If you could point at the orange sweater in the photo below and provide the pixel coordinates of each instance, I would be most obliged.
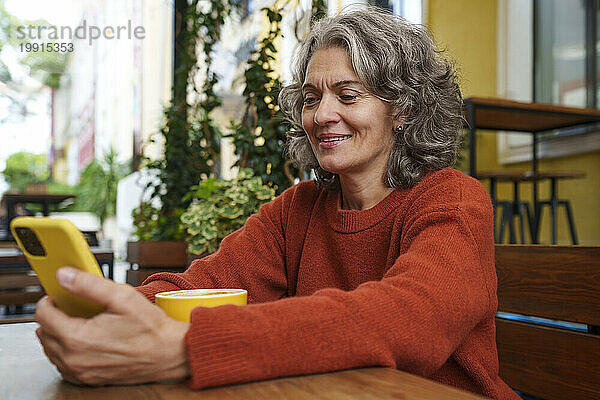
(407, 284)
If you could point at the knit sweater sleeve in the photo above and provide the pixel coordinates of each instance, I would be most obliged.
(251, 258)
(413, 319)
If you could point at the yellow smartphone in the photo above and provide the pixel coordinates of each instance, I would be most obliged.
(52, 243)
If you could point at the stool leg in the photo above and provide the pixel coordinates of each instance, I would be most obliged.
(522, 220)
(553, 208)
(497, 238)
(511, 227)
(519, 210)
(503, 220)
(529, 221)
(537, 219)
(494, 204)
(570, 220)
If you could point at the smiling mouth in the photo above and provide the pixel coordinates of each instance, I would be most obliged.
(334, 139)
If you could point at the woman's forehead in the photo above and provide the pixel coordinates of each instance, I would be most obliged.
(332, 64)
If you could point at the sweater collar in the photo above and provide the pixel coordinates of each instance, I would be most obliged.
(351, 221)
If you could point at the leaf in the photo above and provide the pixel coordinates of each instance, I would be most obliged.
(245, 173)
(265, 194)
(238, 197)
(209, 231)
(197, 248)
(231, 212)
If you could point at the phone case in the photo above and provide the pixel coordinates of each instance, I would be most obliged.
(63, 245)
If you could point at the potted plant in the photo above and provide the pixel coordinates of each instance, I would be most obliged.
(150, 252)
(192, 143)
(220, 207)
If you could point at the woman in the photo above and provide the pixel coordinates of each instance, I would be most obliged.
(385, 260)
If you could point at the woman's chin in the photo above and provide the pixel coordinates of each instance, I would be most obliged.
(334, 169)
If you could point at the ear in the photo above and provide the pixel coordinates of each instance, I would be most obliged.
(397, 117)
(397, 120)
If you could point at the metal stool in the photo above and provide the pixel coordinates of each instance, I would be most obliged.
(510, 209)
(553, 202)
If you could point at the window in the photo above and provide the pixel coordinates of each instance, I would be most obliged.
(409, 9)
(565, 38)
(547, 53)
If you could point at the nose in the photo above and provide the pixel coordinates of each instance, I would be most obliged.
(326, 111)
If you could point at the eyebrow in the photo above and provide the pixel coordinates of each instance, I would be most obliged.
(335, 85)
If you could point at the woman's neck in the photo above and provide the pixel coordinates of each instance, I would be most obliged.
(362, 194)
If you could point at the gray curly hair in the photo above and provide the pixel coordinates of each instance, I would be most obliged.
(397, 62)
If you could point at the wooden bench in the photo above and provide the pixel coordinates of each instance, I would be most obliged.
(19, 287)
(550, 361)
(18, 283)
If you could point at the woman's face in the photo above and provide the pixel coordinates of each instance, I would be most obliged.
(350, 130)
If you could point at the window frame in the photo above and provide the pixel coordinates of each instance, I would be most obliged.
(516, 50)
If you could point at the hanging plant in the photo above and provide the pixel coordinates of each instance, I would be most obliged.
(260, 137)
(318, 10)
(191, 138)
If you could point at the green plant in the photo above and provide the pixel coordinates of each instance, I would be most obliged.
(318, 10)
(23, 168)
(191, 139)
(220, 207)
(145, 220)
(149, 223)
(56, 187)
(259, 140)
(97, 188)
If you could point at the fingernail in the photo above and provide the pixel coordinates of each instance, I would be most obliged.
(65, 275)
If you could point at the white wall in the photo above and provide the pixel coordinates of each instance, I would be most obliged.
(156, 71)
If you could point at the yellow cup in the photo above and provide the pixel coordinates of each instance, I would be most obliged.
(179, 304)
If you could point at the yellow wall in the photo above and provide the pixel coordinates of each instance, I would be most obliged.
(467, 30)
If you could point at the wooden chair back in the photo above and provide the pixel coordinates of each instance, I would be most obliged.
(19, 287)
(557, 283)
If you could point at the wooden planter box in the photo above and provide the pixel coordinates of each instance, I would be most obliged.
(168, 254)
(36, 188)
(154, 257)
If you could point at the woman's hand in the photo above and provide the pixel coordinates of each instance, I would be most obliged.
(132, 341)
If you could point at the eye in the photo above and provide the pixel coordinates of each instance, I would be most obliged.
(310, 100)
(348, 98)
(348, 95)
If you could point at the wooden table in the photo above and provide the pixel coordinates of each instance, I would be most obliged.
(515, 116)
(46, 200)
(25, 374)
